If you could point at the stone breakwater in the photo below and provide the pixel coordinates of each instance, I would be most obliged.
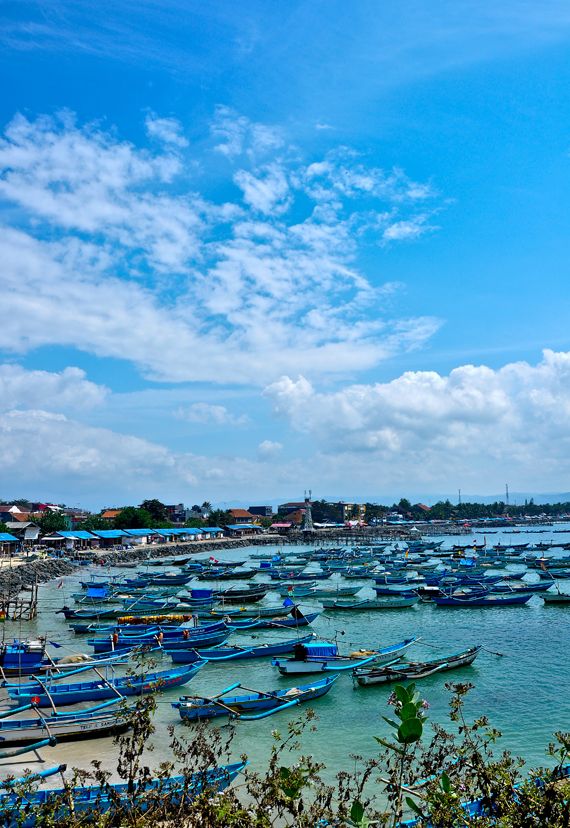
(14, 579)
(167, 550)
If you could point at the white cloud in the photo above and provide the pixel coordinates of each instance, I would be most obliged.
(239, 135)
(269, 449)
(32, 389)
(85, 180)
(57, 457)
(111, 254)
(474, 425)
(208, 414)
(167, 130)
(267, 192)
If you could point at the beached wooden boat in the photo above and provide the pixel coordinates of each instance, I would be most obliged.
(48, 694)
(102, 720)
(255, 705)
(369, 604)
(110, 798)
(412, 671)
(323, 656)
(190, 656)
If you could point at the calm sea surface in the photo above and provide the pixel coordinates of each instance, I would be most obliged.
(525, 692)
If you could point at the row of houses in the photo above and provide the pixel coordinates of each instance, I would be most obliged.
(80, 539)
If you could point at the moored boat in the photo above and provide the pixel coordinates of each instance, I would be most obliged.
(369, 604)
(51, 693)
(255, 705)
(323, 656)
(108, 798)
(405, 671)
(191, 655)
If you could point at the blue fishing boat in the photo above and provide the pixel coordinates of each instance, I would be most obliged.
(301, 620)
(110, 798)
(481, 600)
(255, 705)
(53, 693)
(323, 656)
(173, 638)
(102, 720)
(23, 658)
(191, 655)
(299, 576)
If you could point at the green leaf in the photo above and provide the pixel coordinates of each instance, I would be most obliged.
(413, 806)
(410, 731)
(357, 811)
(392, 723)
(445, 783)
(401, 694)
(408, 711)
(284, 773)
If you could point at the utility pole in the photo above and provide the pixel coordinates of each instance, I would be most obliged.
(459, 499)
(507, 495)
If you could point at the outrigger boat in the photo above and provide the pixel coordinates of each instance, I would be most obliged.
(51, 694)
(404, 671)
(23, 658)
(94, 722)
(323, 656)
(187, 635)
(109, 798)
(193, 708)
(300, 620)
(368, 604)
(190, 655)
(481, 600)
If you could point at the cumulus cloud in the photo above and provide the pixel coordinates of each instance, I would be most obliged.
(208, 414)
(20, 388)
(167, 130)
(269, 449)
(48, 452)
(476, 422)
(112, 253)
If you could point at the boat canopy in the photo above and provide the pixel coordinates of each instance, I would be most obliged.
(321, 649)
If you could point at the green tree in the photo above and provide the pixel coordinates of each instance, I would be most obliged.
(132, 518)
(3, 527)
(93, 522)
(206, 506)
(219, 517)
(156, 509)
(53, 522)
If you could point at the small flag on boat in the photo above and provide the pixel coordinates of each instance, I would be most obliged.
(59, 586)
(290, 588)
(214, 560)
(288, 603)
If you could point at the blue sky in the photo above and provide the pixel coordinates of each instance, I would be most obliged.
(248, 250)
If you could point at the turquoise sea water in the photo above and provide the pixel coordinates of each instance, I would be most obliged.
(524, 692)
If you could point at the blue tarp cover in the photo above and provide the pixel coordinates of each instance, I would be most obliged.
(322, 649)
